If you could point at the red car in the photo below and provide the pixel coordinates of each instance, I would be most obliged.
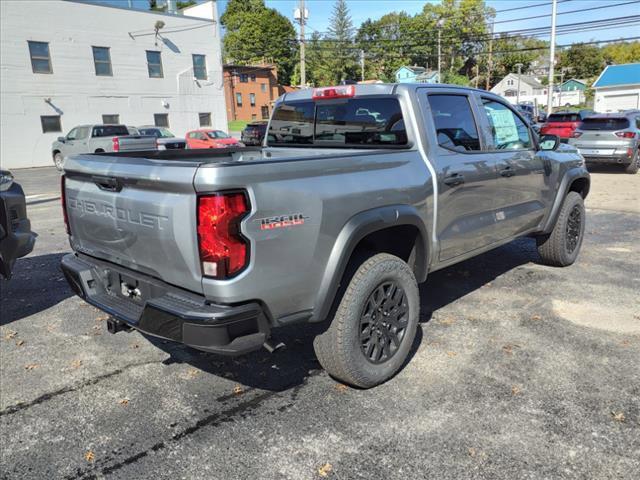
(563, 124)
(208, 138)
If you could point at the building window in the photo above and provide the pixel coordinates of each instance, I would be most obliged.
(244, 78)
(263, 87)
(199, 66)
(161, 119)
(205, 119)
(509, 82)
(239, 99)
(102, 61)
(154, 64)
(40, 58)
(111, 119)
(50, 123)
(253, 77)
(254, 116)
(265, 112)
(252, 99)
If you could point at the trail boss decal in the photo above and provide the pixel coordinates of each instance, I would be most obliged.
(281, 221)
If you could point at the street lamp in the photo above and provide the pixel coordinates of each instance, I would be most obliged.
(439, 25)
(519, 66)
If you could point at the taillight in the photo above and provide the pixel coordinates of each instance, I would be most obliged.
(223, 249)
(576, 134)
(626, 134)
(63, 198)
(116, 144)
(342, 91)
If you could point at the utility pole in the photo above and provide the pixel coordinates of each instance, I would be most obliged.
(552, 56)
(439, 25)
(301, 14)
(490, 62)
(519, 65)
(362, 65)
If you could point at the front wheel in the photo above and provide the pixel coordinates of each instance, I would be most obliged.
(374, 326)
(560, 248)
(58, 161)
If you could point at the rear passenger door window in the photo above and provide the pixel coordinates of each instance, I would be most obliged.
(508, 131)
(454, 122)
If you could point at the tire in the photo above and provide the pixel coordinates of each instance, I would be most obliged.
(634, 166)
(560, 248)
(58, 161)
(386, 282)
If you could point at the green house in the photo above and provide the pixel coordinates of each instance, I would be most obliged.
(574, 84)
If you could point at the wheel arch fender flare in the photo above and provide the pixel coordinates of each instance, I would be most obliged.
(356, 229)
(568, 179)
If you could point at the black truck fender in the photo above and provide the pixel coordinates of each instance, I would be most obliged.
(575, 179)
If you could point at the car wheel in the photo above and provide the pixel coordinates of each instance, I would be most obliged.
(560, 248)
(58, 161)
(634, 166)
(375, 324)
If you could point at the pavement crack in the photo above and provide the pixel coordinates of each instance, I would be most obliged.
(71, 388)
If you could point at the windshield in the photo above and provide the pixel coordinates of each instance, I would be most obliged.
(564, 117)
(217, 134)
(614, 123)
(372, 121)
(157, 132)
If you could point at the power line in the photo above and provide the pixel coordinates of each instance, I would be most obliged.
(529, 6)
(580, 10)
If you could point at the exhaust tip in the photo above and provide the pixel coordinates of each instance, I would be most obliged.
(273, 347)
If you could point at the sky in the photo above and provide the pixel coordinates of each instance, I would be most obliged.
(361, 10)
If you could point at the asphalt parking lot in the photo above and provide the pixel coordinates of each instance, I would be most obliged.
(519, 371)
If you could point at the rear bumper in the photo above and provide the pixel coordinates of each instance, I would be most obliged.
(16, 237)
(621, 158)
(165, 311)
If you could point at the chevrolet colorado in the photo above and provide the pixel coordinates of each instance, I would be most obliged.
(358, 192)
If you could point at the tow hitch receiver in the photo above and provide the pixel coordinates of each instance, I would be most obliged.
(115, 326)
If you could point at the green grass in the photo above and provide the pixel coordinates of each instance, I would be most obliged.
(237, 125)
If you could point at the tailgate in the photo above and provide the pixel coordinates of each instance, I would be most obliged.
(137, 143)
(137, 213)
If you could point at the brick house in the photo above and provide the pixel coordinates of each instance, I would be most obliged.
(250, 91)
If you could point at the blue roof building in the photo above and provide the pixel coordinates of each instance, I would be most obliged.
(415, 74)
(618, 88)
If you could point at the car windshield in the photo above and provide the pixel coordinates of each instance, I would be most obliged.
(613, 123)
(372, 121)
(157, 132)
(217, 134)
(564, 117)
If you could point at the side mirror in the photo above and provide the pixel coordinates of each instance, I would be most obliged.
(549, 142)
(62, 139)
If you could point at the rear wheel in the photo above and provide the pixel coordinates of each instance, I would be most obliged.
(634, 166)
(560, 248)
(374, 326)
(58, 161)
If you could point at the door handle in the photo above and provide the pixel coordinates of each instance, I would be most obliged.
(507, 172)
(109, 184)
(454, 180)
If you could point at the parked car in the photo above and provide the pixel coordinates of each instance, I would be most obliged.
(253, 133)
(563, 124)
(374, 187)
(165, 140)
(208, 138)
(16, 237)
(610, 138)
(97, 139)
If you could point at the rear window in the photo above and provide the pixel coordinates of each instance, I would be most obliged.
(564, 117)
(604, 124)
(110, 131)
(350, 122)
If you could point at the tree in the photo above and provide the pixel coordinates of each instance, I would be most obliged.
(621, 52)
(582, 61)
(340, 46)
(153, 5)
(255, 33)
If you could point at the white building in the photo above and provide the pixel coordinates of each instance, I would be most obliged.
(66, 62)
(618, 88)
(534, 92)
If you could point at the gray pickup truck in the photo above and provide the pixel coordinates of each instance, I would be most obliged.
(97, 139)
(358, 193)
